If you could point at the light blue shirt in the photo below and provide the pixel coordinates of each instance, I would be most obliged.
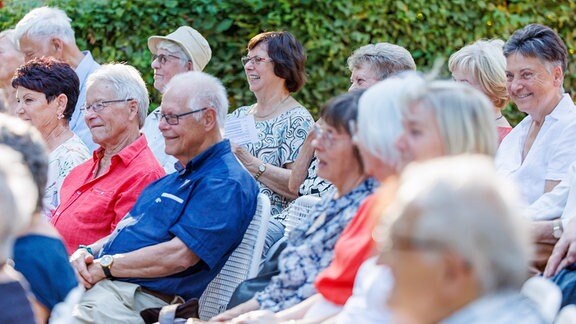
(156, 142)
(77, 123)
(499, 308)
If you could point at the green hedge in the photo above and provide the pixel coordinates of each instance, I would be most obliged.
(117, 30)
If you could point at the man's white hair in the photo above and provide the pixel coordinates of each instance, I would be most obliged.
(46, 21)
(204, 90)
(461, 204)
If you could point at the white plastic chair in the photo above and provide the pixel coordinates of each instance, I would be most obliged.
(567, 315)
(545, 294)
(242, 264)
(299, 211)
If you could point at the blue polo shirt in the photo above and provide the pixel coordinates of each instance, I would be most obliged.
(208, 205)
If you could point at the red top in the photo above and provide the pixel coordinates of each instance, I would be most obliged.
(90, 208)
(502, 132)
(353, 247)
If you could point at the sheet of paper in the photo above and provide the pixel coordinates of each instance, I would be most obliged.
(241, 130)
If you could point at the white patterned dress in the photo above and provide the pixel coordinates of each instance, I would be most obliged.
(279, 142)
(61, 161)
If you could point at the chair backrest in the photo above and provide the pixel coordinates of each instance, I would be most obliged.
(298, 211)
(545, 294)
(242, 264)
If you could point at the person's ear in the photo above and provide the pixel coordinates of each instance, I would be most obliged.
(189, 65)
(133, 108)
(58, 47)
(61, 101)
(558, 75)
(209, 119)
(458, 273)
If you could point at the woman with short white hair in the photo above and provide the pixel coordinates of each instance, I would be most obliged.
(439, 118)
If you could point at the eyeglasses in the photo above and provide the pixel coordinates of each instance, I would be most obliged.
(163, 58)
(327, 137)
(256, 60)
(402, 243)
(99, 105)
(172, 119)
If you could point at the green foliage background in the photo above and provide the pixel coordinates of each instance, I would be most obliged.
(117, 30)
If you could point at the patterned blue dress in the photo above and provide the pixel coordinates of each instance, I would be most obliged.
(279, 142)
(310, 249)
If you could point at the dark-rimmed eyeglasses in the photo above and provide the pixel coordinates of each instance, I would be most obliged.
(256, 60)
(163, 58)
(173, 119)
(99, 105)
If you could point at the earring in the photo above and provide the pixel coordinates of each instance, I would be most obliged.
(60, 116)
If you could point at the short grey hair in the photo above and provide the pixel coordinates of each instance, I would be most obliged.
(46, 21)
(380, 116)
(461, 204)
(538, 41)
(173, 49)
(26, 139)
(463, 114)
(383, 58)
(16, 199)
(10, 35)
(203, 90)
(126, 82)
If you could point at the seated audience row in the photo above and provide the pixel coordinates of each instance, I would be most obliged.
(140, 239)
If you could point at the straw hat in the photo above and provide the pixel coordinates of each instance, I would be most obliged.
(194, 44)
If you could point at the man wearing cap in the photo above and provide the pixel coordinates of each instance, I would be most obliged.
(181, 51)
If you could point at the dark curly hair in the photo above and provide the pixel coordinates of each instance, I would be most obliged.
(51, 77)
(288, 56)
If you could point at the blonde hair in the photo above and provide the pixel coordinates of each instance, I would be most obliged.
(484, 60)
(464, 116)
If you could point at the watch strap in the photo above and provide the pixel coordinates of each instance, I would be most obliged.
(107, 272)
(261, 170)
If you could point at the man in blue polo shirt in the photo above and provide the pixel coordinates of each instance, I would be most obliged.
(184, 226)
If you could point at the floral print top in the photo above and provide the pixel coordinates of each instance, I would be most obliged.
(279, 142)
(61, 161)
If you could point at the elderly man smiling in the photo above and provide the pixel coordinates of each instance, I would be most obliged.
(184, 226)
(99, 192)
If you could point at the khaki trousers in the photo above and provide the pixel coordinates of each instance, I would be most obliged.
(114, 302)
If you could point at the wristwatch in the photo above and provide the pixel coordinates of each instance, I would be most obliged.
(261, 170)
(106, 262)
(557, 229)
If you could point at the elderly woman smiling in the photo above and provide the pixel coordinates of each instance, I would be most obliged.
(46, 92)
(274, 68)
(98, 193)
(539, 150)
